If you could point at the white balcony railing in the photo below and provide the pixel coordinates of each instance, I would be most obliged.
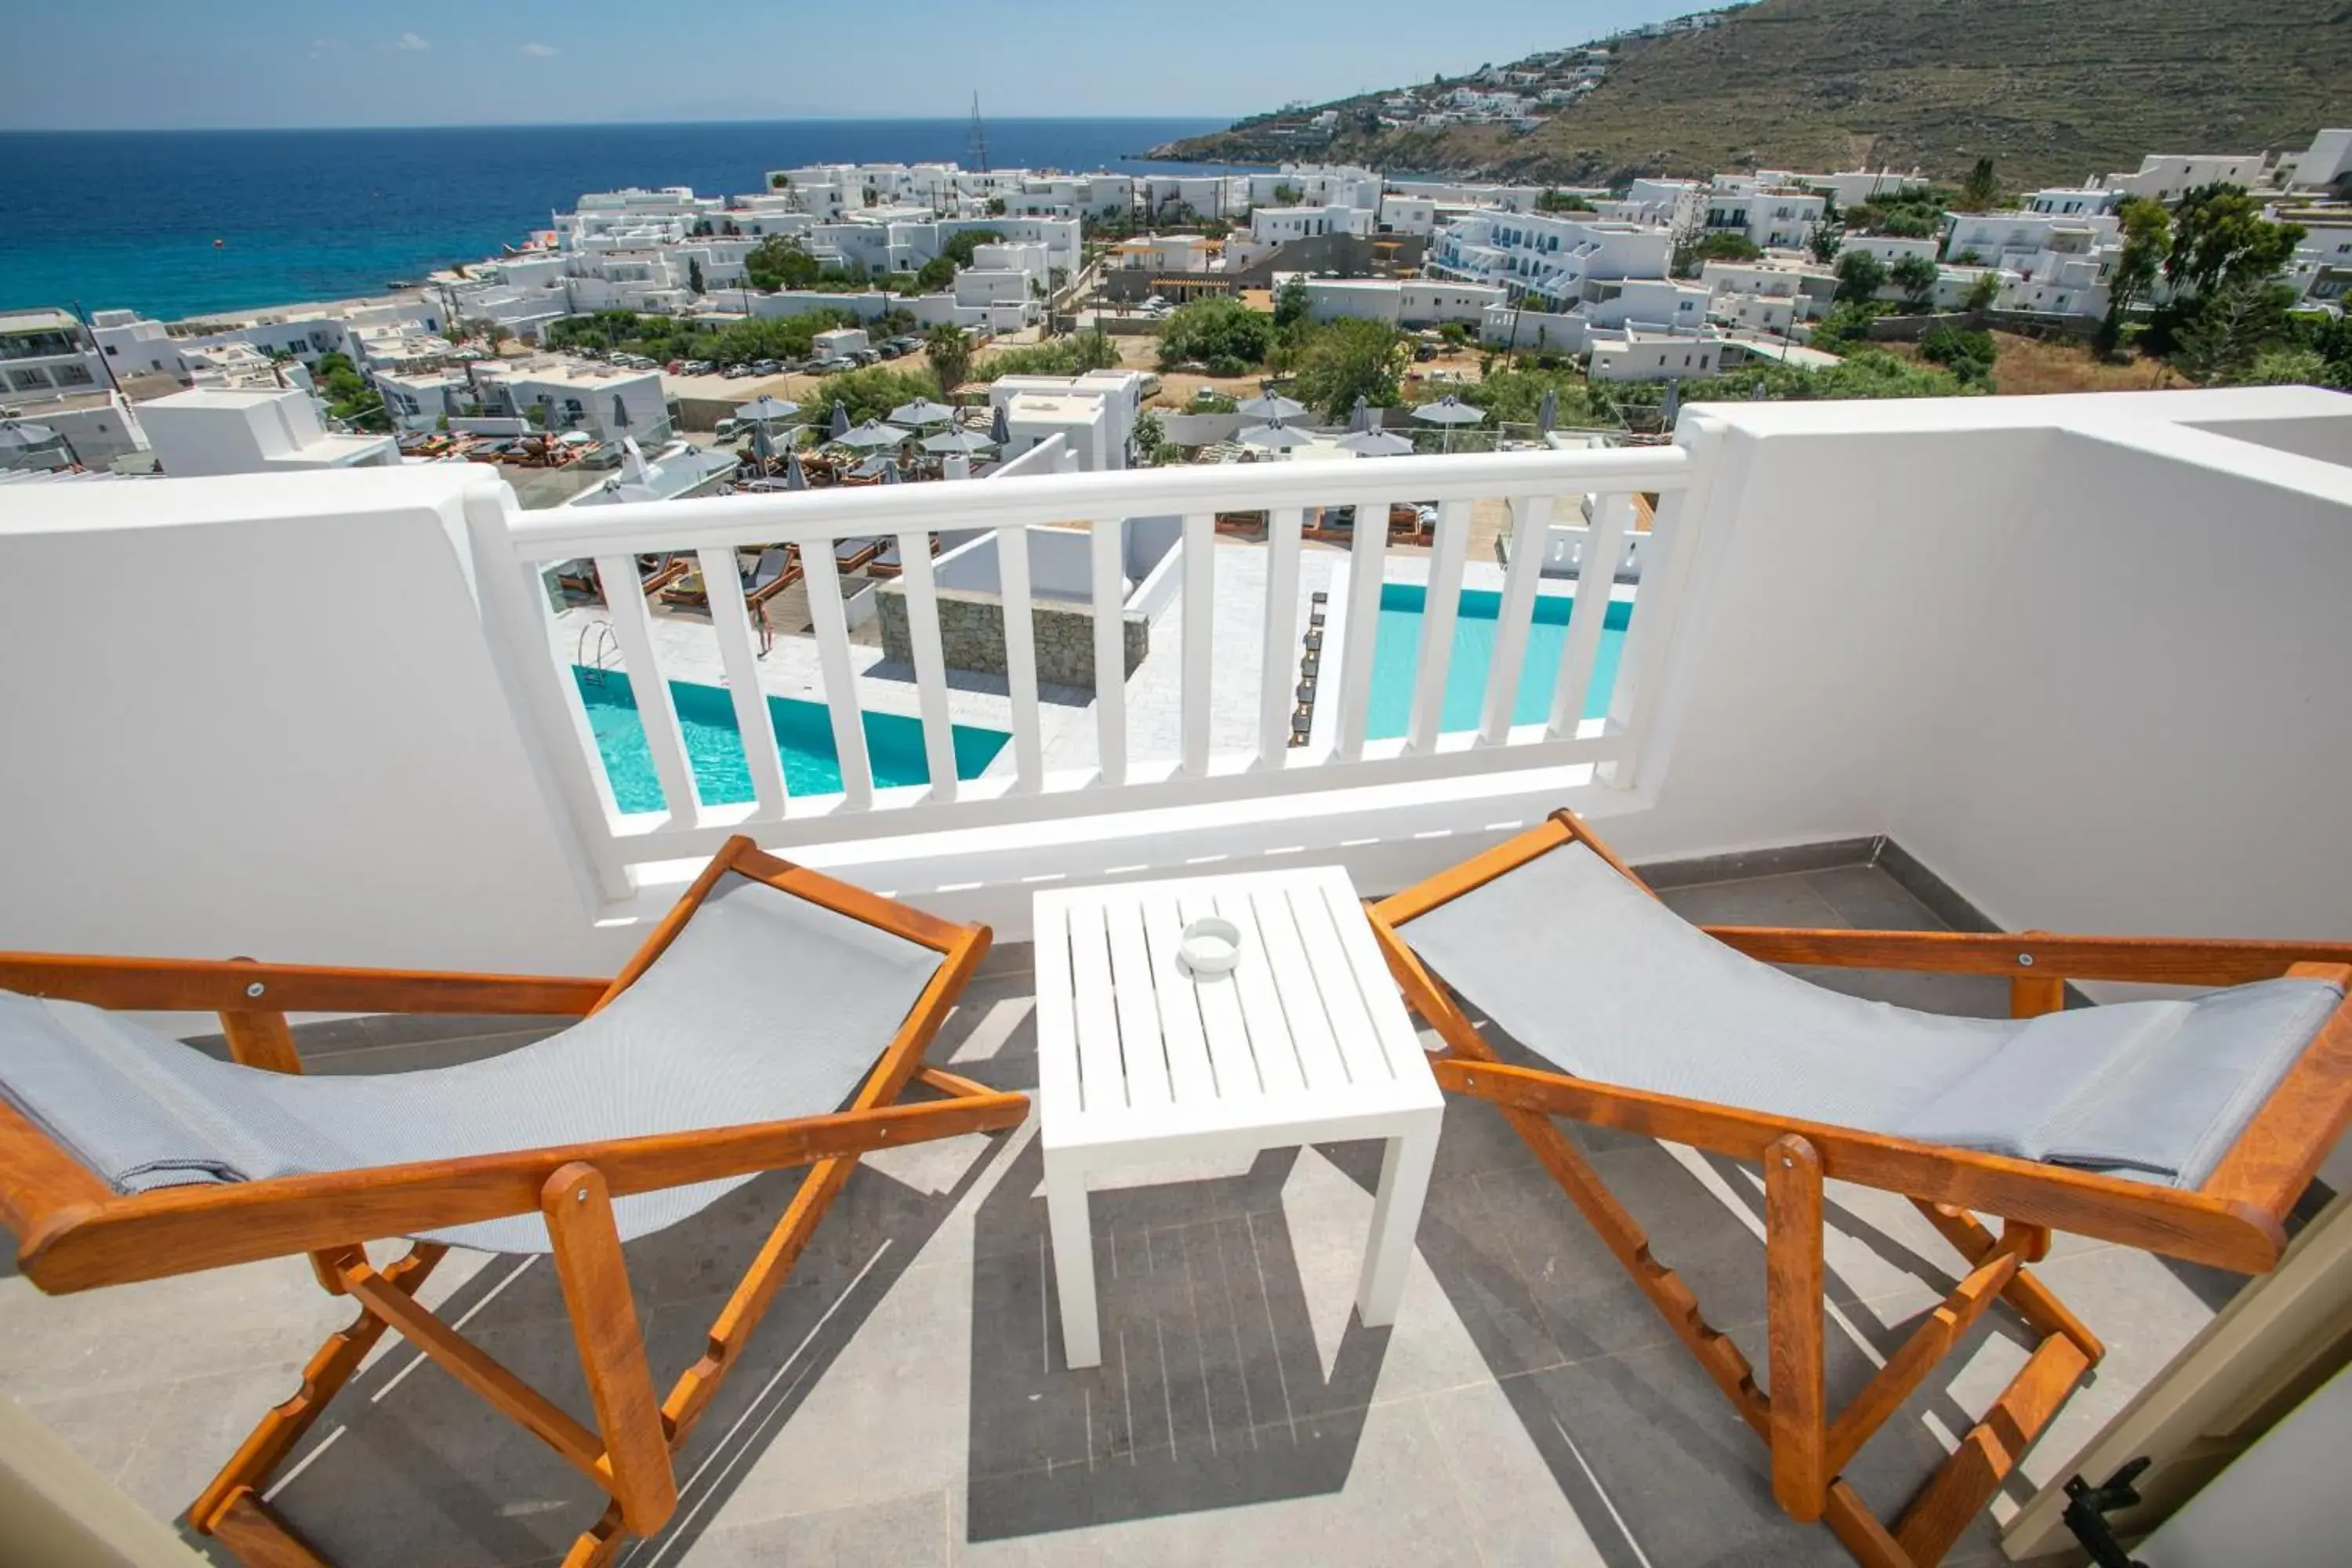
(1249, 755)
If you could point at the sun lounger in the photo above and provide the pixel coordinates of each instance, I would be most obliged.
(849, 554)
(2183, 1127)
(778, 568)
(775, 1019)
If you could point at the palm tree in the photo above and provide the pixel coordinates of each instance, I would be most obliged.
(949, 349)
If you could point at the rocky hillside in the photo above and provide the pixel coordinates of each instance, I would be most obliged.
(2052, 90)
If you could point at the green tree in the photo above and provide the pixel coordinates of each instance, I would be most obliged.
(1286, 196)
(1219, 332)
(1559, 201)
(1860, 274)
(960, 247)
(1514, 396)
(779, 182)
(2219, 236)
(1984, 291)
(996, 206)
(937, 274)
(1915, 275)
(1826, 240)
(1290, 302)
(777, 262)
(1072, 355)
(2147, 231)
(1149, 439)
(1978, 191)
(2234, 324)
(948, 349)
(1347, 359)
(694, 275)
(1846, 326)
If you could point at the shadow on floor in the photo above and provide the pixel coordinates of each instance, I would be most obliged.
(409, 1466)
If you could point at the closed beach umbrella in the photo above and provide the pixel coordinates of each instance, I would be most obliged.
(450, 404)
(761, 444)
(922, 411)
(620, 412)
(1270, 406)
(763, 409)
(957, 442)
(840, 426)
(1671, 405)
(1376, 443)
(794, 479)
(1361, 418)
(890, 474)
(872, 434)
(999, 428)
(1548, 411)
(1275, 437)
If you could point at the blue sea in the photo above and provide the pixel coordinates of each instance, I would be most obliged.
(129, 218)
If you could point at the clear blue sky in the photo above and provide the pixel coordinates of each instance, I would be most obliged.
(174, 64)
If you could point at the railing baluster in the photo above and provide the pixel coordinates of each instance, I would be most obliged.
(1278, 664)
(1596, 574)
(1367, 555)
(730, 618)
(633, 629)
(1106, 542)
(1199, 634)
(1020, 652)
(1448, 551)
(831, 621)
(1666, 564)
(1530, 522)
(930, 663)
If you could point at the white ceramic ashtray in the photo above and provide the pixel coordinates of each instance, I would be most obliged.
(1211, 946)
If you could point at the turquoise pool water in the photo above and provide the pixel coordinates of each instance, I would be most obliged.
(1396, 659)
(714, 747)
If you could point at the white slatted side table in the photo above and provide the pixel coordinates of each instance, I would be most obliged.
(1140, 1062)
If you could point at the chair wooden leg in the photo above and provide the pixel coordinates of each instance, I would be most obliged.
(1792, 1272)
(595, 1280)
(258, 1459)
(251, 1529)
(1958, 1492)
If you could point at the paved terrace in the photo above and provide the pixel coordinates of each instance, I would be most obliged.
(905, 1402)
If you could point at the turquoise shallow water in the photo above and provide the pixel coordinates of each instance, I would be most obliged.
(714, 747)
(127, 217)
(1396, 659)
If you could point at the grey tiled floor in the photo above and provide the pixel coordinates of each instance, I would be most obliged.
(907, 1401)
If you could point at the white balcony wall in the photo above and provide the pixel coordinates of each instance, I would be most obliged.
(259, 716)
(2082, 656)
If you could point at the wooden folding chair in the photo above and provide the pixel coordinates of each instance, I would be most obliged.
(77, 1231)
(2233, 1218)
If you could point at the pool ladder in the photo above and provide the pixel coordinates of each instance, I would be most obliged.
(590, 654)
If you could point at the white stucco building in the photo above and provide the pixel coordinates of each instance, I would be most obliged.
(1401, 301)
(1280, 225)
(208, 431)
(46, 350)
(2167, 176)
(1094, 412)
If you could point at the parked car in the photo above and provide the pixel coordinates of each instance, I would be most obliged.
(737, 372)
(724, 428)
(830, 364)
(698, 367)
(767, 367)
(863, 356)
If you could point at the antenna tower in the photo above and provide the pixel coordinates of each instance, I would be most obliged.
(979, 139)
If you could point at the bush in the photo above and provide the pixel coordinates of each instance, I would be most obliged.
(1860, 274)
(1073, 355)
(873, 392)
(778, 263)
(1222, 333)
(1967, 355)
(1514, 396)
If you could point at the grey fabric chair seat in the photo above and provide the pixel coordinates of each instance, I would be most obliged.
(765, 1008)
(1588, 971)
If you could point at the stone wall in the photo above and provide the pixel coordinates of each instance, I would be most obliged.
(971, 634)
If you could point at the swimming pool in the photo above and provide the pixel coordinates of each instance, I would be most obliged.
(714, 747)
(1396, 659)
